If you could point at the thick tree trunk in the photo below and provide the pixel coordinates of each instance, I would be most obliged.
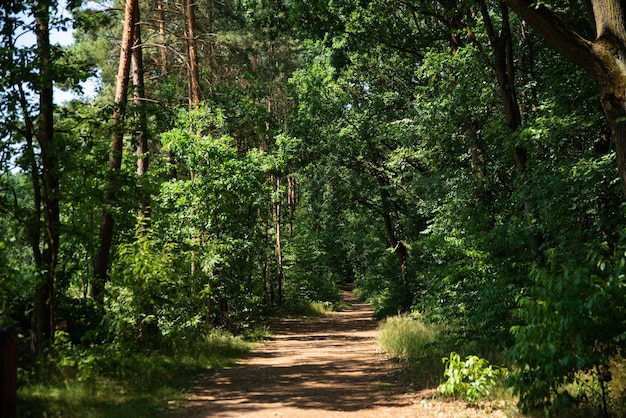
(43, 310)
(603, 58)
(101, 261)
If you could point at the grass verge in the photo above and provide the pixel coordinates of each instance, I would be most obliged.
(123, 381)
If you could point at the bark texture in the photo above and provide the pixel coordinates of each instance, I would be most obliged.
(101, 261)
(139, 102)
(192, 51)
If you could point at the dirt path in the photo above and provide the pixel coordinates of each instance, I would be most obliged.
(327, 367)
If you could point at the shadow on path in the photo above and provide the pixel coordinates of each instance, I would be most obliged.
(329, 366)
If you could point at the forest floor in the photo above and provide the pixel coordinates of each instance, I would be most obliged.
(330, 366)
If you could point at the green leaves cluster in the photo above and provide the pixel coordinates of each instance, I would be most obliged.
(470, 379)
(574, 322)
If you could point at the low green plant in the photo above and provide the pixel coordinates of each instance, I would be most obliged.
(470, 379)
(405, 338)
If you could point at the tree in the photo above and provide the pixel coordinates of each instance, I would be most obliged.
(139, 102)
(192, 53)
(604, 57)
(43, 311)
(102, 257)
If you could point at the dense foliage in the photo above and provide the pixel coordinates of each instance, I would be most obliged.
(438, 155)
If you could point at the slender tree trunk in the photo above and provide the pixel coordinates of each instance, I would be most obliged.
(139, 103)
(504, 66)
(279, 250)
(478, 157)
(399, 247)
(291, 199)
(43, 309)
(101, 261)
(502, 47)
(192, 54)
(264, 280)
(163, 40)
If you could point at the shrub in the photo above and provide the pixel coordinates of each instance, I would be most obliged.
(471, 379)
(574, 322)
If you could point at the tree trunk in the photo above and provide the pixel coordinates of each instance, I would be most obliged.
(504, 67)
(502, 47)
(192, 54)
(141, 134)
(291, 200)
(101, 261)
(399, 247)
(279, 250)
(603, 58)
(163, 47)
(43, 310)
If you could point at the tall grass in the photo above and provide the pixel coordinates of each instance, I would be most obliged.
(416, 346)
(405, 338)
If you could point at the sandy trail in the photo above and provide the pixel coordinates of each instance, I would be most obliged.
(327, 367)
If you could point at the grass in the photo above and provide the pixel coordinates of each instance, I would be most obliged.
(405, 338)
(419, 348)
(416, 346)
(308, 309)
(116, 381)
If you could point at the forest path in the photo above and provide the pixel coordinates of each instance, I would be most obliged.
(330, 366)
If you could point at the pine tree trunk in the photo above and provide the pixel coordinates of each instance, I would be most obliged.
(101, 261)
(163, 46)
(279, 250)
(192, 52)
(141, 134)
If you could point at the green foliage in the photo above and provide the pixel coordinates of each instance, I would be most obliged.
(470, 379)
(574, 321)
(406, 338)
(120, 381)
(148, 291)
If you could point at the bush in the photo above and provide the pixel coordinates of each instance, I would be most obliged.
(471, 379)
(574, 323)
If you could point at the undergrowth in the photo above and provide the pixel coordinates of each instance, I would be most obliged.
(420, 347)
(122, 380)
(415, 345)
(308, 309)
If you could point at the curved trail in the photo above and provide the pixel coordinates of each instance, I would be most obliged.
(327, 367)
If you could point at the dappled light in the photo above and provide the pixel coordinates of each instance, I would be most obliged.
(329, 366)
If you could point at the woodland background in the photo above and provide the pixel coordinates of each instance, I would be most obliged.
(462, 161)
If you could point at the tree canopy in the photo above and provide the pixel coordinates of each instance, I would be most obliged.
(461, 160)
